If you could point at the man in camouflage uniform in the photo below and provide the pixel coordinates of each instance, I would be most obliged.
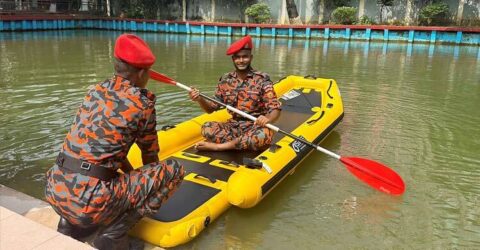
(84, 187)
(248, 90)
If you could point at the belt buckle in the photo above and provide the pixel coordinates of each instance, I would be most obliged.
(85, 165)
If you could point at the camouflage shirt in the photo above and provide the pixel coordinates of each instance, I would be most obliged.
(254, 95)
(113, 115)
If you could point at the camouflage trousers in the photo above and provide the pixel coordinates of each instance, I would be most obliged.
(250, 136)
(87, 201)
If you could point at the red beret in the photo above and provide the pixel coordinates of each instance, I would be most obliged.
(134, 51)
(244, 43)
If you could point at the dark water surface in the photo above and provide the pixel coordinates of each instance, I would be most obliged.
(415, 108)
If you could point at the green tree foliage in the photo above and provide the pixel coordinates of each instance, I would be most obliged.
(344, 15)
(434, 14)
(260, 12)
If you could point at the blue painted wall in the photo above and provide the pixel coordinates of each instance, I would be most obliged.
(304, 32)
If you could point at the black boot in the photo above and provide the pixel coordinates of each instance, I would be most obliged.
(76, 232)
(114, 236)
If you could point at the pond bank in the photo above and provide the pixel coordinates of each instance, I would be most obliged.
(27, 223)
(30, 223)
(386, 33)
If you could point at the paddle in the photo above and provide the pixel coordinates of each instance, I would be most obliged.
(372, 173)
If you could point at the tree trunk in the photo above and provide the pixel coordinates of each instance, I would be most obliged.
(213, 11)
(292, 9)
(283, 13)
(408, 12)
(184, 10)
(309, 11)
(108, 8)
(292, 12)
(361, 9)
(321, 11)
(381, 14)
(461, 3)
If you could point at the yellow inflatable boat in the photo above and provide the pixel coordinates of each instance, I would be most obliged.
(311, 108)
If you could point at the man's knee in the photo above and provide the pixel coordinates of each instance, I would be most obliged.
(258, 140)
(174, 171)
(178, 170)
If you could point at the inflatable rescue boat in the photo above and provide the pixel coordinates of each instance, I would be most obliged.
(311, 108)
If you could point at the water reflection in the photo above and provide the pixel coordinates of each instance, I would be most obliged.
(366, 47)
(413, 107)
(409, 49)
(431, 49)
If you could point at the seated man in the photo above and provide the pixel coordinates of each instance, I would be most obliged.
(84, 187)
(248, 90)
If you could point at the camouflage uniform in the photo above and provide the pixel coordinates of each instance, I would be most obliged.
(113, 116)
(254, 95)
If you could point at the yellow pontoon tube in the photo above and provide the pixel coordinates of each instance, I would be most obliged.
(311, 108)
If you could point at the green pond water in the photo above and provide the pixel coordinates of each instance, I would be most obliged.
(416, 108)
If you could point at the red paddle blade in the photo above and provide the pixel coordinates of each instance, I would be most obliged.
(375, 174)
(161, 77)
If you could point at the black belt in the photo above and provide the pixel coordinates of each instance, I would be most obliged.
(86, 168)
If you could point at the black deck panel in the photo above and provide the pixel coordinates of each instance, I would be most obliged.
(204, 169)
(228, 156)
(191, 195)
(302, 103)
(187, 198)
(294, 112)
(288, 121)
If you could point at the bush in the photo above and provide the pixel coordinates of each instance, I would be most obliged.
(365, 20)
(260, 12)
(344, 15)
(434, 14)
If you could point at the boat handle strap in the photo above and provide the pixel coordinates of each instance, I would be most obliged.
(212, 180)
